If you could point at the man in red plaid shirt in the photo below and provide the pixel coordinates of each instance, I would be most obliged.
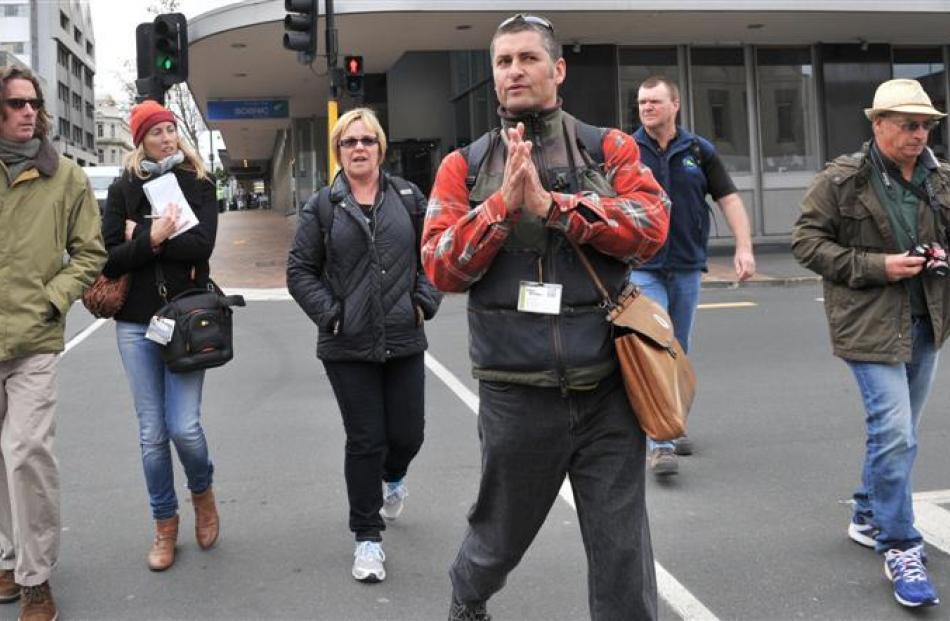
(552, 401)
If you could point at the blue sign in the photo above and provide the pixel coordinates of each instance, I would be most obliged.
(243, 109)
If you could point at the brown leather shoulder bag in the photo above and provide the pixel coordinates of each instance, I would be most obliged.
(657, 375)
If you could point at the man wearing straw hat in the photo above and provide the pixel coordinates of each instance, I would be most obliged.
(874, 226)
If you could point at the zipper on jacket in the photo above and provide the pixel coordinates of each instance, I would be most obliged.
(556, 328)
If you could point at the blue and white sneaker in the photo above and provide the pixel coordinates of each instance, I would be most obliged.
(368, 562)
(905, 569)
(862, 532)
(394, 499)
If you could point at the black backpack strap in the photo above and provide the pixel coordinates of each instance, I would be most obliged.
(476, 153)
(408, 196)
(325, 215)
(696, 150)
(591, 139)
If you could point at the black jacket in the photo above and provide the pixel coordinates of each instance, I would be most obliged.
(179, 257)
(367, 278)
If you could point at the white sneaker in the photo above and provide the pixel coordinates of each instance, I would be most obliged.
(394, 496)
(368, 562)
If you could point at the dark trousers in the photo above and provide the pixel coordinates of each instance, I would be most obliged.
(530, 439)
(383, 407)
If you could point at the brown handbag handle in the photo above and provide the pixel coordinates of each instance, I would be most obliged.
(593, 274)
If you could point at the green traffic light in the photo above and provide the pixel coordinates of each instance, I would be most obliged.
(165, 63)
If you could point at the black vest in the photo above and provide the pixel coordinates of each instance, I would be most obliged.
(575, 348)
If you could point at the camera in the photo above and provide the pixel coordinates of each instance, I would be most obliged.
(936, 258)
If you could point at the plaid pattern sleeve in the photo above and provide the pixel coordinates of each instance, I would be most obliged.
(631, 226)
(459, 243)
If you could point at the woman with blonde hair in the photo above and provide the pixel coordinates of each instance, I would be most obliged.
(354, 269)
(163, 262)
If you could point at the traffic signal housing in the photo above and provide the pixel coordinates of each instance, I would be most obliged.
(353, 74)
(300, 27)
(170, 49)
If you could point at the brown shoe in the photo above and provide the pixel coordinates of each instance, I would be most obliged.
(162, 554)
(9, 589)
(37, 604)
(206, 518)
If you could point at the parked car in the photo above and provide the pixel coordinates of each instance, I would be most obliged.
(101, 177)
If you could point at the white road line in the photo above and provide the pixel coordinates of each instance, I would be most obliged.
(726, 305)
(673, 593)
(82, 336)
(278, 294)
(932, 520)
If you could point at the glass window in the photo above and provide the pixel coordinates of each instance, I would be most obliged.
(99, 129)
(719, 103)
(63, 21)
(925, 64)
(786, 89)
(77, 35)
(636, 65)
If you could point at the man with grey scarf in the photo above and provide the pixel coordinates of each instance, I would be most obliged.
(47, 212)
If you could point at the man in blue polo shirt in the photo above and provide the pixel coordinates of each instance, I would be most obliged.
(688, 168)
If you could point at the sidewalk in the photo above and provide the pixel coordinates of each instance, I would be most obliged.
(251, 249)
(252, 246)
(775, 267)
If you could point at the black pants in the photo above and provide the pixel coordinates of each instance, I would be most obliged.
(383, 408)
(531, 438)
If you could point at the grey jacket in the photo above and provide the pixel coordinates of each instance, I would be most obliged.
(843, 234)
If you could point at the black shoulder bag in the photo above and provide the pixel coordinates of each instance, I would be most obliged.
(203, 334)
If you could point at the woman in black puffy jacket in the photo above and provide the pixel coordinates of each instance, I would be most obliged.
(354, 269)
(168, 405)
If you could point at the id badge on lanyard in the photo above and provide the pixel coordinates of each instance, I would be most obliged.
(539, 297)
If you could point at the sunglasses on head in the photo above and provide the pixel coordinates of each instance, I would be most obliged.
(528, 19)
(17, 103)
(366, 141)
(912, 126)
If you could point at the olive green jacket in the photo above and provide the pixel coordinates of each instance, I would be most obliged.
(843, 234)
(50, 250)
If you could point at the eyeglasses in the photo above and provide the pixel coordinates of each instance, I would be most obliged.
(528, 19)
(17, 103)
(366, 141)
(912, 126)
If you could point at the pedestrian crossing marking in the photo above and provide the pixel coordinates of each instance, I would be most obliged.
(933, 520)
(727, 305)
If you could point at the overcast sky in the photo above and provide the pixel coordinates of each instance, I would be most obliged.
(114, 22)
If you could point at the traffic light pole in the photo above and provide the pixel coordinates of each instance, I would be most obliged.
(333, 99)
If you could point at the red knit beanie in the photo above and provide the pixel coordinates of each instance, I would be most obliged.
(145, 116)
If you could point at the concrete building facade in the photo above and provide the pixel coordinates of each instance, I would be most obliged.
(113, 136)
(55, 39)
(778, 86)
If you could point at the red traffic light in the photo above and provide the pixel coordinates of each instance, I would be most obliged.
(353, 65)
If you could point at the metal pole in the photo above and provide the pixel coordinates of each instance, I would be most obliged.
(332, 104)
(211, 149)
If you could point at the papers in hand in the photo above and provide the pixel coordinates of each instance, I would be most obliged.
(164, 190)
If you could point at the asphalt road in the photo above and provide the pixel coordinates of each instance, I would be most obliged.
(752, 528)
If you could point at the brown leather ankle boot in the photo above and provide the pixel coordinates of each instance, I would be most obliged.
(206, 518)
(162, 554)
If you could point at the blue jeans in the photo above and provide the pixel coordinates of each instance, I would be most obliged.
(678, 292)
(168, 406)
(894, 396)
